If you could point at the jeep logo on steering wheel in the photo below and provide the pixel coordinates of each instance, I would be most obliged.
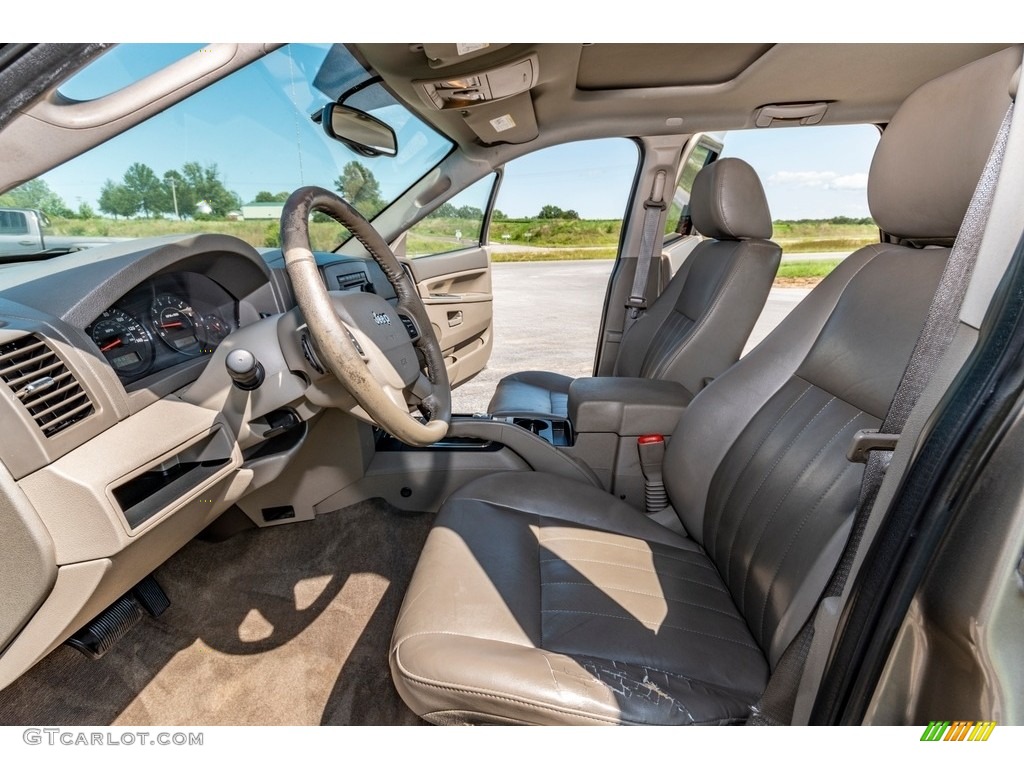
(381, 318)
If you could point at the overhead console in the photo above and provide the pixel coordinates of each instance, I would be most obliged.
(495, 101)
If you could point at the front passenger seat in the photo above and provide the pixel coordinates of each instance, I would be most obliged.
(542, 600)
(697, 328)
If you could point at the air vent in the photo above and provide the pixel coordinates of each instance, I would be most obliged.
(43, 384)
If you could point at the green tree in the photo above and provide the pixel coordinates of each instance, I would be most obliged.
(443, 211)
(203, 184)
(360, 188)
(270, 197)
(85, 211)
(118, 200)
(554, 212)
(498, 215)
(36, 194)
(152, 195)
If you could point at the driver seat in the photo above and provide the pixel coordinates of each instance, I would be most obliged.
(697, 327)
(548, 601)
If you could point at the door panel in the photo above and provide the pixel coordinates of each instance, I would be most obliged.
(456, 289)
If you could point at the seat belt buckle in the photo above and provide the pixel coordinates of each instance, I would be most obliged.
(867, 440)
(652, 453)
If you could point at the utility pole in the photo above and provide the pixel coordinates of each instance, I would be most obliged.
(174, 195)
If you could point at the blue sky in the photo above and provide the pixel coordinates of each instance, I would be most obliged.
(807, 173)
(260, 141)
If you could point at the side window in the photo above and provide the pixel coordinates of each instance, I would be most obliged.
(13, 223)
(815, 179)
(564, 202)
(677, 223)
(456, 224)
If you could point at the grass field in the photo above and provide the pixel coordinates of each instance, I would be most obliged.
(797, 271)
(573, 239)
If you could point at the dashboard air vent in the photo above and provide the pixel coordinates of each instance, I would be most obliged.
(43, 384)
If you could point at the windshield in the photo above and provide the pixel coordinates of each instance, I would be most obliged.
(223, 160)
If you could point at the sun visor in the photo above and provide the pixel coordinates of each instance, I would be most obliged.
(510, 121)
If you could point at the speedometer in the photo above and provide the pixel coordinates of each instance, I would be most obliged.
(175, 323)
(125, 344)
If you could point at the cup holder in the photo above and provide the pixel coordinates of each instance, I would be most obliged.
(537, 426)
(556, 432)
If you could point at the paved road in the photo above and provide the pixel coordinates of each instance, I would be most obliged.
(546, 317)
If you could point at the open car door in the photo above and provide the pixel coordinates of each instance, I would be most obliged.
(447, 256)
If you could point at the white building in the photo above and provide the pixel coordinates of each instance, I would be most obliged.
(262, 210)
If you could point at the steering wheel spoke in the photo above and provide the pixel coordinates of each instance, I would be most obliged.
(368, 344)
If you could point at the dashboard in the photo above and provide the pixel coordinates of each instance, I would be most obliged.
(166, 320)
(123, 435)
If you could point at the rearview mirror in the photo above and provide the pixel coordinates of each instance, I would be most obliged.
(359, 131)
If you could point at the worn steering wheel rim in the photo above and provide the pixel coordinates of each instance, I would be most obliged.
(330, 335)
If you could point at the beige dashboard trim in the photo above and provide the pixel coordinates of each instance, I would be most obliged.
(55, 619)
(72, 495)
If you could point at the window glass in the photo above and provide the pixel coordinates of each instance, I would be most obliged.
(564, 202)
(815, 179)
(226, 158)
(456, 224)
(13, 223)
(677, 223)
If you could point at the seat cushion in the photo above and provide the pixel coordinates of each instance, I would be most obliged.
(532, 393)
(568, 606)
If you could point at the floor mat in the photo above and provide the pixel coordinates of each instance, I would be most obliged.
(282, 626)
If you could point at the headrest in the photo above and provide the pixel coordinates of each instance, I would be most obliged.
(931, 155)
(727, 202)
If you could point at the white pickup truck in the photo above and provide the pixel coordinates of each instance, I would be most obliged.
(22, 232)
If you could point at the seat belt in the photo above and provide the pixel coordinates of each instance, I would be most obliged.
(798, 669)
(650, 244)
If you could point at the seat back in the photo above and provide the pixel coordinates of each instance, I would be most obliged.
(697, 328)
(761, 478)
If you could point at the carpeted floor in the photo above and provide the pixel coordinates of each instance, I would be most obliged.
(283, 626)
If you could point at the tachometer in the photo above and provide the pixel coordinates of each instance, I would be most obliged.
(175, 322)
(125, 344)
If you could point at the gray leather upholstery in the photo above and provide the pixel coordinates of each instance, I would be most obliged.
(541, 393)
(548, 601)
(698, 326)
(727, 202)
(924, 207)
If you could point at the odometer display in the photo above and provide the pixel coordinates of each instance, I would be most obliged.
(125, 344)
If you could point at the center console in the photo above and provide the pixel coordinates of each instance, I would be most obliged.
(598, 441)
(597, 444)
(608, 414)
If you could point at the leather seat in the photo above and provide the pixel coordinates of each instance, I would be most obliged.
(697, 327)
(548, 601)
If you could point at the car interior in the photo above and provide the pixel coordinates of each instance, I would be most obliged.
(233, 491)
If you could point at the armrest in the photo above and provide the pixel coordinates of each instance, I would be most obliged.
(626, 406)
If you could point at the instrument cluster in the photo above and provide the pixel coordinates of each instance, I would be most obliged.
(163, 322)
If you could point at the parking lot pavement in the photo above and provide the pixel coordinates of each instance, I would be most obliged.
(546, 317)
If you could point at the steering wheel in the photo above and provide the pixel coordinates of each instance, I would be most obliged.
(369, 345)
